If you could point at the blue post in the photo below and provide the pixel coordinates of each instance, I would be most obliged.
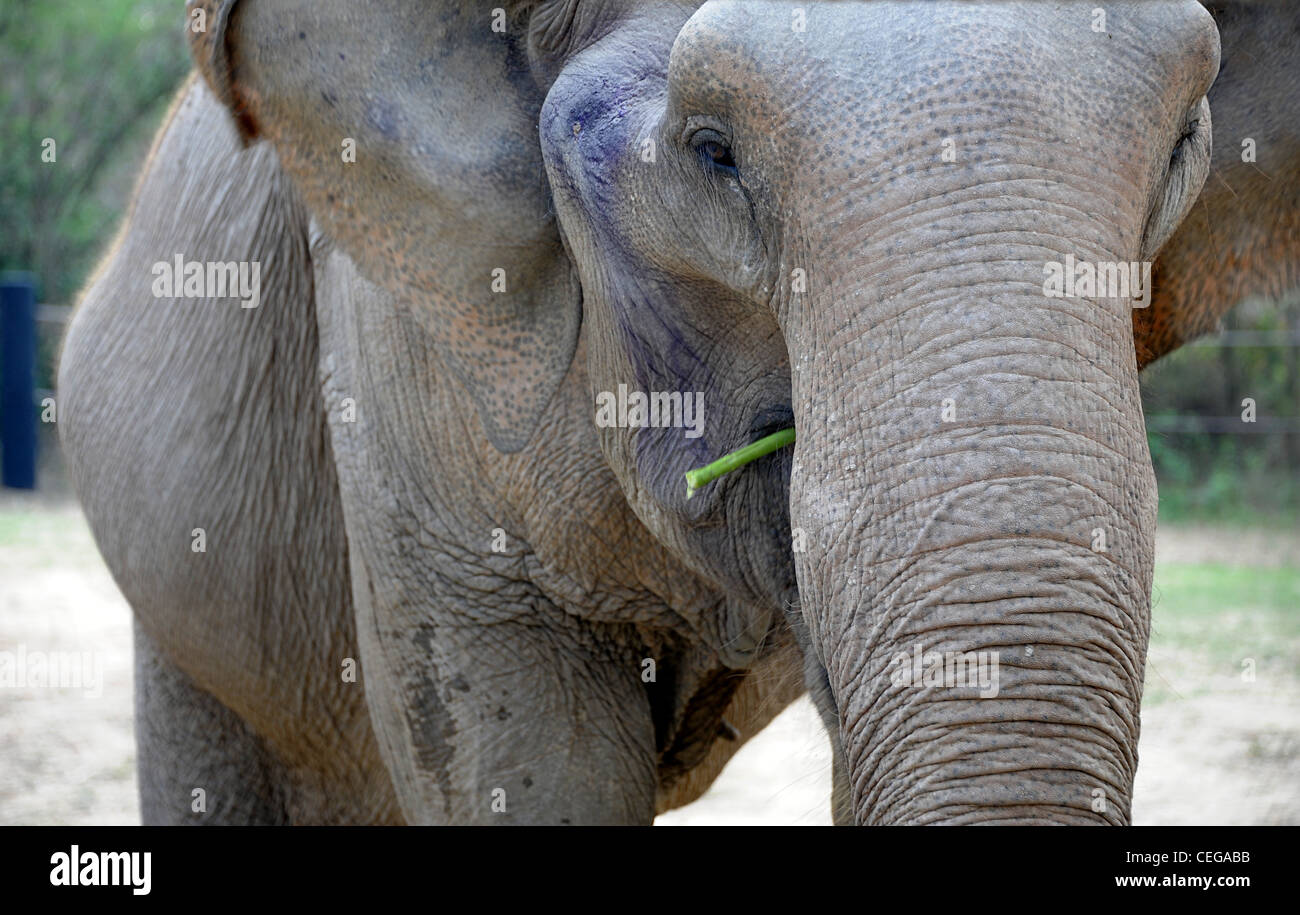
(18, 381)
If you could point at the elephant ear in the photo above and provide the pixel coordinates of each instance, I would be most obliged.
(1242, 236)
(411, 130)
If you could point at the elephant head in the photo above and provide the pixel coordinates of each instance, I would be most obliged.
(837, 216)
(971, 478)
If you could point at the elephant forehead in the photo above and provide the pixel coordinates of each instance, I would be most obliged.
(877, 70)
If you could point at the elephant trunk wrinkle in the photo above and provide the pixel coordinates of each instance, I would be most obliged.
(978, 503)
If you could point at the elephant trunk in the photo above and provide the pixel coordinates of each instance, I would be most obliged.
(974, 487)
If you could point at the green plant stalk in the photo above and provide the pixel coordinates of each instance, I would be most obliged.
(702, 476)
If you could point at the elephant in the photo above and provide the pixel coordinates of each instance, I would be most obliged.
(387, 564)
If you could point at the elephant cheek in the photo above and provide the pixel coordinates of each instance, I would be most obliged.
(978, 572)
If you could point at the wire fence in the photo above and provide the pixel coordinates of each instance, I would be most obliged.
(1171, 423)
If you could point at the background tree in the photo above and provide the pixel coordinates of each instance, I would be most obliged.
(95, 78)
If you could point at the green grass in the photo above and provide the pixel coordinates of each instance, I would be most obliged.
(34, 538)
(1207, 618)
(20, 528)
(11, 528)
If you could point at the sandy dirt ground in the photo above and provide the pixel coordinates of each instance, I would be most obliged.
(1214, 750)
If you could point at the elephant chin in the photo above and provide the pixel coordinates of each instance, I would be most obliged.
(977, 579)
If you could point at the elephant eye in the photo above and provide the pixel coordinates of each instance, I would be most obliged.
(720, 156)
(713, 149)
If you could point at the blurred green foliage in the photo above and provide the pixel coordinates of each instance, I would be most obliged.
(97, 78)
(1210, 465)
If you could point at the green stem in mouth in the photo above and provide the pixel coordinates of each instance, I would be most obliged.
(702, 476)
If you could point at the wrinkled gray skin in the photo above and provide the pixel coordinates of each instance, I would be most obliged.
(354, 447)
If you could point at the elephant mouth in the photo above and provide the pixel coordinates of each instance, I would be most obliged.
(770, 420)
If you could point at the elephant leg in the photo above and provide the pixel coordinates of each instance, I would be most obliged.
(198, 762)
(529, 717)
(526, 730)
(770, 686)
(195, 436)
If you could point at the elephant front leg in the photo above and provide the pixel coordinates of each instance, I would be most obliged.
(535, 719)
